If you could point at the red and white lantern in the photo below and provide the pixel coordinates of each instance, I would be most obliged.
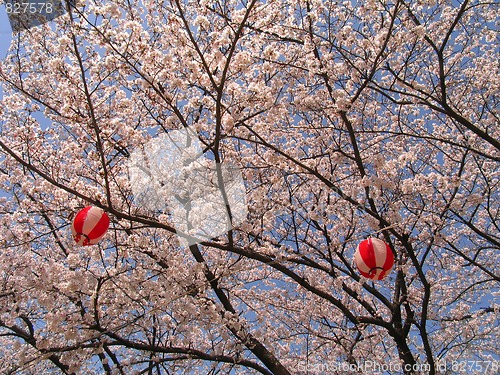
(89, 226)
(374, 259)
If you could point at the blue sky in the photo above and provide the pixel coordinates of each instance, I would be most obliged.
(5, 35)
(5, 31)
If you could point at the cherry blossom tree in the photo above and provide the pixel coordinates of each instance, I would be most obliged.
(347, 120)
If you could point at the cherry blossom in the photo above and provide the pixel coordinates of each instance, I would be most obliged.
(347, 120)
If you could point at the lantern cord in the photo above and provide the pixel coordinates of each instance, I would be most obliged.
(84, 235)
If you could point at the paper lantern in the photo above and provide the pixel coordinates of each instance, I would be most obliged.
(89, 226)
(374, 258)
